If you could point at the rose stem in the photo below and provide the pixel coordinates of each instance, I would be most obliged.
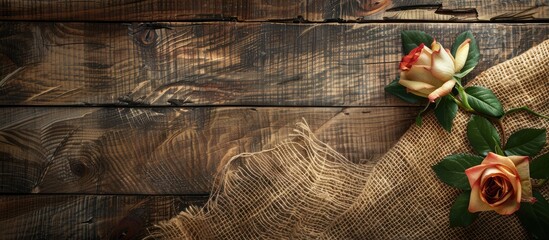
(512, 110)
(502, 128)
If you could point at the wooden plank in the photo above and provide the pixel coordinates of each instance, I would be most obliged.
(150, 10)
(277, 10)
(506, 10)
(86, 217)
(265, 64)
(168, 150)
(375, 10)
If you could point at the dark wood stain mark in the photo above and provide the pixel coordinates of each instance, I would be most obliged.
(131, 225)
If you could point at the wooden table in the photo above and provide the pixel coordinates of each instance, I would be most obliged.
(118, 114)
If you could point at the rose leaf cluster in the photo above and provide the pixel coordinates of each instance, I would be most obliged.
(500, 177)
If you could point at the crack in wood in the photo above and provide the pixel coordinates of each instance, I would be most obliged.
(430, 12)
(8, 76)
(35, 188)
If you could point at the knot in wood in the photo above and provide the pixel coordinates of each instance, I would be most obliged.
(85, 166)
(374, 6)
(78, 168)
(147, 36)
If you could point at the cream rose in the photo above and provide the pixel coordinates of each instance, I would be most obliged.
(428, 72)
(499, 183)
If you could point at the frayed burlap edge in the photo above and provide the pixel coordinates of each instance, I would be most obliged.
(301, 181)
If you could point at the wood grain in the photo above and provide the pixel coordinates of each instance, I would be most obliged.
(277, 10)
(168, 150)
(196, 64)
(152, 10)
(86, 217)
(504, 10)
(199, 93)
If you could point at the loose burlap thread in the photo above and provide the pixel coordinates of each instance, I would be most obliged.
(304, 189)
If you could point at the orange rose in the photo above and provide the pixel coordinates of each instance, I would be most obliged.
(429, 72)
(499, 183)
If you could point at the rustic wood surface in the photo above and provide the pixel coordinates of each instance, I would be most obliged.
(168, 150)
(196, 64)
(86, 217)
(114, 118)
(279, 10)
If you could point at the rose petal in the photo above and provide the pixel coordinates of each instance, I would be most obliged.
(519, 159)
(461, 55)
(417, 88)
(419, 93)
(412, 57)
(496, 170)
(442, 65)
(422, 74)
(504, 199)
(511, 175)
(523, 170)
(424, 57)
(474, 173)
(475, 202)
(415, 85)
(497, 159)
(442, 91)
(507, 167)
(518, 190)
(508, 207)
(450, 54)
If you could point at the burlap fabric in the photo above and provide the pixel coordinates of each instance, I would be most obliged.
(304, 189)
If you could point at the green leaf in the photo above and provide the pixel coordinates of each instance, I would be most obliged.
(451, 170)
(400, 91)
(539, 167)
(459, 213)
(446, 112)
(528, 110)
(413, 38)
(482, 135)
(535, 217)
(463, 73)
(484, 101)
(419, 120)
(474, 53)
(498, 149)
(526, 142)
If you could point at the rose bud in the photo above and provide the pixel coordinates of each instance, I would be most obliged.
(429, 72)
(499, 183)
